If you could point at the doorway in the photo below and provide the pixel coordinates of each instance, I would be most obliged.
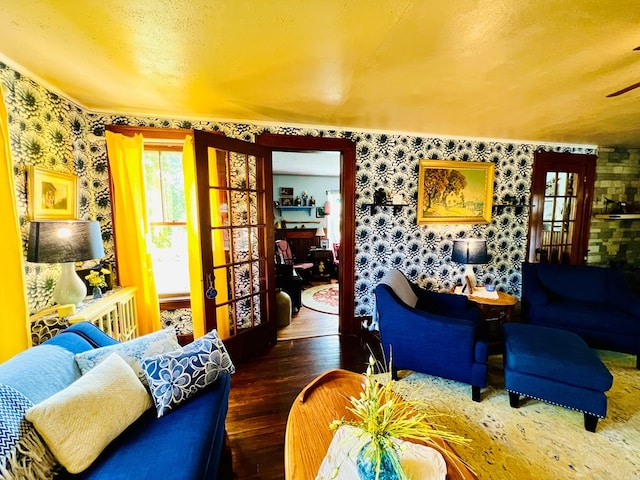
(346, 273)
(307, 213)
(561, 196)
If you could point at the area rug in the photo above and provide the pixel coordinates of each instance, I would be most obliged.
(537, 440)
(323, 298)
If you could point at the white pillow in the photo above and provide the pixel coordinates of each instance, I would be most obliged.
(133, 351)
(78, 422)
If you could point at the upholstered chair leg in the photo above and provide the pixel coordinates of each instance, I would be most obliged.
(590, 422)
(475, 393)
(514, 399)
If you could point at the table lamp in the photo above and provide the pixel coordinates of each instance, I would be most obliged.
(470, 251)
(65, 242)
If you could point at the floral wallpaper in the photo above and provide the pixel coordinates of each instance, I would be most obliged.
(49, 131)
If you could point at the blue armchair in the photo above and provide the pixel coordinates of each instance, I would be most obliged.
(430, 332)
(593, 302)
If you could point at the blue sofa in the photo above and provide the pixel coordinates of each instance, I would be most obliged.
(431, 332)
(184, 444)
(593, 302)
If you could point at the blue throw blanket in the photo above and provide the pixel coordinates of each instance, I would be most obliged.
(23, 454)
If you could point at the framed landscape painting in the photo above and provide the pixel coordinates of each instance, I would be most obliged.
(455, 192)
(52, 195)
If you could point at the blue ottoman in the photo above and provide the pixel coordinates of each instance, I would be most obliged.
(555, 366)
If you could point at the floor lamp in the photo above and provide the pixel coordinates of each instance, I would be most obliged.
(65, 242)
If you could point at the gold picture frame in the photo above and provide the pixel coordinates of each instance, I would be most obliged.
(455, 192)
(52, 195)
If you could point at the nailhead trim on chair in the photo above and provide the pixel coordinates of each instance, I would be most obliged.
(554, 403)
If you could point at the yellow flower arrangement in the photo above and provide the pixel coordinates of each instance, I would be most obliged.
(96, 279)
(385, 415)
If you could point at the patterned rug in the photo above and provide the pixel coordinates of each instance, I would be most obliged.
(323, 298)
(538, 440)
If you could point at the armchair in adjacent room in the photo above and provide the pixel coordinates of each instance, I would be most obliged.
(431, 332)
(284, 256)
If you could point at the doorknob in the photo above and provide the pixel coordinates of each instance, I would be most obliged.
(211, 291)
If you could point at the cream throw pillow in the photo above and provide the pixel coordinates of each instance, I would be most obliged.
(78, 422)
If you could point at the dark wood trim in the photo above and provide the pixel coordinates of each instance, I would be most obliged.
(174, 302)
(245, 344)
(151, 132)
(348, 323)
(583, 165)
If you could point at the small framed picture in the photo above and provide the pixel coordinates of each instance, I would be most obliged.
(319, 212)
(52, 195)
(324, 243)
(286, 192)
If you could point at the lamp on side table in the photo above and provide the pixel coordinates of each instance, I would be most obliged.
(65, 242)
(470, 251)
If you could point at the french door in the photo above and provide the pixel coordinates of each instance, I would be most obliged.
(561, 198)
(235, 215)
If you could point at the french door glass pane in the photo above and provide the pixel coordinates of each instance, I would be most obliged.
(558, 216)
(237, 229)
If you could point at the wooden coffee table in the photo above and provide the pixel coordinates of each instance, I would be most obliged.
(308, 436)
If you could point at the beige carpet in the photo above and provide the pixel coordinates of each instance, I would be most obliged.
(538, 440)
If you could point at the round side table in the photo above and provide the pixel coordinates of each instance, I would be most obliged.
(501, 306)
(494, 313)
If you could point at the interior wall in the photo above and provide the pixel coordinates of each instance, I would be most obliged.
(52, 132)
(315, 187)
(616, 242)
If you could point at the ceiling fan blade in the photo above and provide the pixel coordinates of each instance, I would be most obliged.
(624, 90)
(630, 87)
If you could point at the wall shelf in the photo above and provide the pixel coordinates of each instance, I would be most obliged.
(296, 208)
(397, 207)
(618, 216)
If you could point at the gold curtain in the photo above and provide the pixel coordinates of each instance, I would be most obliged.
(131, 227)
(14, 327)
(193, 234)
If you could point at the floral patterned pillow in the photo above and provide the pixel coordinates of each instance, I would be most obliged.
(132, 351)
(175, 377)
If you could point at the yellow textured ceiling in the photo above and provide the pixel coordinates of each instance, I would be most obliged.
(508, 69)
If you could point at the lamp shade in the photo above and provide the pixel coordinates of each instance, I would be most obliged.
(470, 251)
(64, 241)
(319, 232)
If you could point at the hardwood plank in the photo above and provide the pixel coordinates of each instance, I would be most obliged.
(263, 390)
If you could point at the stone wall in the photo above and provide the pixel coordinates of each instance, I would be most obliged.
(616, 242)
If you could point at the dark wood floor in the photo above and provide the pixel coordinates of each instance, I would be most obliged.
(263, 390)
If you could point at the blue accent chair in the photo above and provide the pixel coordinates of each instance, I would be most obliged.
(430, 332)
(593, 302)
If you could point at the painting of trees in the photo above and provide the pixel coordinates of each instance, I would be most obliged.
(439, 183)
(456, 192)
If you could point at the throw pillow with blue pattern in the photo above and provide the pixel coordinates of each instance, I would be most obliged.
(132, 351)
(175, 377)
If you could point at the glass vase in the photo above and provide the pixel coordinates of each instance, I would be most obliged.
(389, 464)
(97, 292)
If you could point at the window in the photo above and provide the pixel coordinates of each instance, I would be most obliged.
(167, 217)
